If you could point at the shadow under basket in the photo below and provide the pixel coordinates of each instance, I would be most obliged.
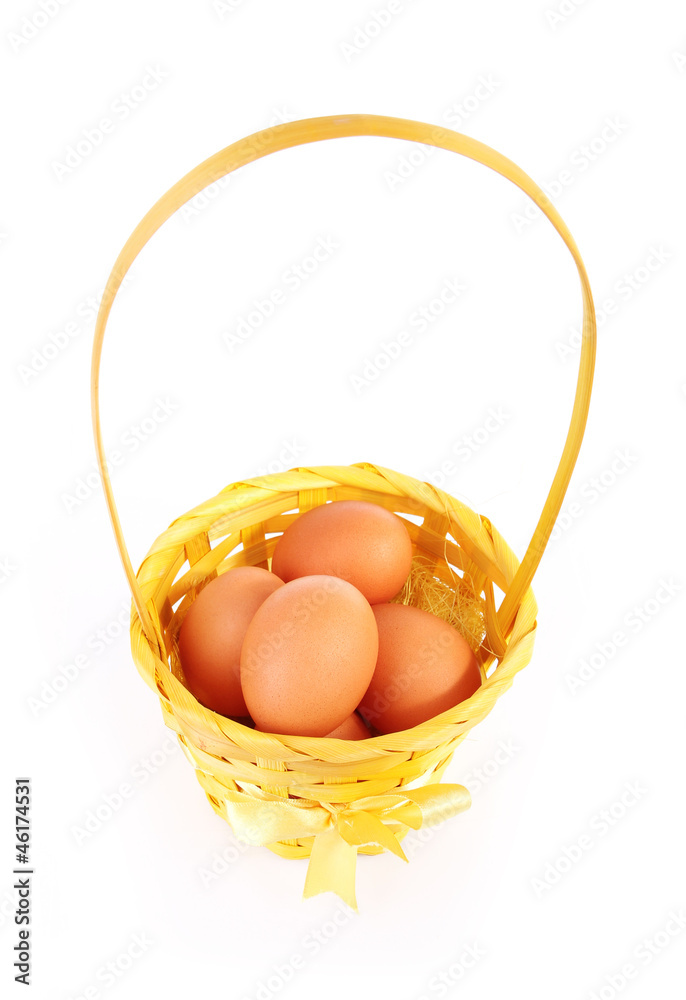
(324, 798)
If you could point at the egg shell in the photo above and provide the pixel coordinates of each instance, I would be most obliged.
(308, 656)
(424, 668)
(212, 634)
(352, 728)
(360, 542)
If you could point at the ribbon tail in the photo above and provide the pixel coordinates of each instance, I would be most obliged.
(332, 868)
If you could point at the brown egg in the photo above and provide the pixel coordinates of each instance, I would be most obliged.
(360, 542)
(353, 728)
(308, 656)
(424, 668)
(212, 634)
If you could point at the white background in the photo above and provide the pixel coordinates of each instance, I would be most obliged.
(592, 91)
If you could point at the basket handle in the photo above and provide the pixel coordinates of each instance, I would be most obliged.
(296, 133)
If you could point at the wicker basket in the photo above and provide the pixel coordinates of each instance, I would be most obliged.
(321, 797)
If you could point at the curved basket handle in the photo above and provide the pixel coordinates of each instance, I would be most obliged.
(296, 133)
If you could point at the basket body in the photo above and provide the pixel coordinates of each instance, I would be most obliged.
(323, 797)
(240, 527)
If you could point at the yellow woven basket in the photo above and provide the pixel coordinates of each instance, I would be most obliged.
(320, 797)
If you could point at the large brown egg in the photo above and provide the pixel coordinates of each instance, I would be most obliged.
(424, 668)
(308, 656)
(360, 542)
(212, 634)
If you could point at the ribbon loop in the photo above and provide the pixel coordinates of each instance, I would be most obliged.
(361, 829)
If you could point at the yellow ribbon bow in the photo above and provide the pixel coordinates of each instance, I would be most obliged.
(339, 829)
